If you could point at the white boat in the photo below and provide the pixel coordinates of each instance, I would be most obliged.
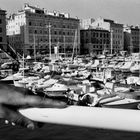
(45, 84)
(111, 64)
(95, 65)
(56, 90)
(126, 67)
(11, 78)
(118, 66)
(25, 81)
(94, 117)
(123, 103)
(135, 68)
(132, 80)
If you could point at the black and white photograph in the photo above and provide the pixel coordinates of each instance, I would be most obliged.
(69, 70)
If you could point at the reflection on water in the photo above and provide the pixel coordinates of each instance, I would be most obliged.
(61, 132)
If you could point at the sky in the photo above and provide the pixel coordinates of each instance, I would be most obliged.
(122, 11)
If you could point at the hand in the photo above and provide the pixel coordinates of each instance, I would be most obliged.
(13, 98)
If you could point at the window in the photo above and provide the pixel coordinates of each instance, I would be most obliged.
(0, 30)
(30, 23)
(35, 31)
(45, 32)
(0, 21)
(0, 39)
(30, 31)
(40, 31)
(55, 32)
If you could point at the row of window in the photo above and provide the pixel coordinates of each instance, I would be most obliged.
(105, 35)
(135, 42)
(118, 42)
(14, 38)
(53, 32)
(43, 40)
(97, 41)
(52, 46)
(118, 31)
(136, 38)
(57, 25)
(135, 33)
(117, 36)
(104, 47)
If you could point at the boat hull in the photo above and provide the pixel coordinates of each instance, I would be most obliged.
(134, 105)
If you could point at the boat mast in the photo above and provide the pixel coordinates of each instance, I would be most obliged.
(23, 65)
(139, 53)
(34, 48)
(111, 33)
(75, 37)
(49, 27)
(64, 46)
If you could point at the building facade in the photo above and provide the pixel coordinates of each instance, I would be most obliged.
(36, 31)
(3, 40)
(86, 23)
(95, 41)
(116, 33)
(132, 39)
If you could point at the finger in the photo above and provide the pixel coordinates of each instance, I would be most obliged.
(16, 118)
(20, 97)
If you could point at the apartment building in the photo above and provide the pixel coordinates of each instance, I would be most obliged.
(95, 41)
(36, 31)
(132, 39)
(115, 29)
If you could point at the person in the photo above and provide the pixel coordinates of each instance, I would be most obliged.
(14, 98)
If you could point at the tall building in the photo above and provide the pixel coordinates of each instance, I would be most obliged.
(116, 33)
(95, 41)
(132, 39)
(36, 31)
(3, 40)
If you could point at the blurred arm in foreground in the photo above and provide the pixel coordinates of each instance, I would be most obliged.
(13, 98)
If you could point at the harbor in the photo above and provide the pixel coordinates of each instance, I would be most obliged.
(81, 76)
(69, 70)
